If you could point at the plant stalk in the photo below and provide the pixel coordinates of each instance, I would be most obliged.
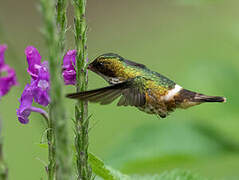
(3, 166)
(63, 151)
(81, 108)
(58, 147)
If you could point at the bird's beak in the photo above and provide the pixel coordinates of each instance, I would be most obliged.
(89, 67)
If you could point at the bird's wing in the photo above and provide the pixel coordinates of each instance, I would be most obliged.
(131, 92)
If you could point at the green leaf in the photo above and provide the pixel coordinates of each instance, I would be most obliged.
(100, 169)
(108, 173)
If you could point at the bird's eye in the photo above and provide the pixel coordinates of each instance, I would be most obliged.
(100, 64)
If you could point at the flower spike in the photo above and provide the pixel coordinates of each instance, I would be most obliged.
(68, 68)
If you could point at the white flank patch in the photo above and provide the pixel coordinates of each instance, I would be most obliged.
(113, 80)
(172, 92)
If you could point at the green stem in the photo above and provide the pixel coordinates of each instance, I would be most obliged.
(61, 23)
(59, 154)
(81, 108)
(3, 166)
(51, 151)
(63, 153)
(47, 7)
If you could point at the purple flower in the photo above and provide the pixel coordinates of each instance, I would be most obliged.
(7, 74)
(68, 67)
(2, 51)
(26, 107)
(34, 61)
(39, 72)
(6, 82)
(39, 88)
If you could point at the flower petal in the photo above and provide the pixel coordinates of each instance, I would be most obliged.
(69, 77)
(26, 107)
(41, 86)
(24, 110)
(6, 82)
(68, 69)
(2, 51)
(34, 61)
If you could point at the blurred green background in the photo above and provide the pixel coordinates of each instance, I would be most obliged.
(193, 42)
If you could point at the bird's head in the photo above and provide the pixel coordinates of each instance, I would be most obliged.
(107, 65)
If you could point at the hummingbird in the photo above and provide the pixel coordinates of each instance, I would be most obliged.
(138, 86)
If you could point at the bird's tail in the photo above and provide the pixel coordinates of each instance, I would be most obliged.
(205, 98)
(188, 98)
